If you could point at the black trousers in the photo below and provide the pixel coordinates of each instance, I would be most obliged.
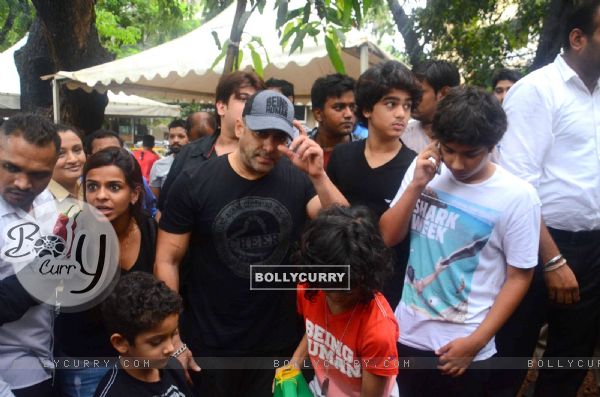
(431, 382)
(572, 329)
(43, 389)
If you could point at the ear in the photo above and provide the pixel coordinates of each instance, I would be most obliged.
(221, 107)
(577, 39)
(318, 113)
(239, 128)
(367, 113)
(120, 343)
(135, 195)
(442, 93)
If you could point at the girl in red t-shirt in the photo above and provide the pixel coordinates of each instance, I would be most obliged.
(350, 334)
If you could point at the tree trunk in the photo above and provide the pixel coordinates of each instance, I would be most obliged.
(63, 37)
(237, 28)
(406, 28)
(550, 39)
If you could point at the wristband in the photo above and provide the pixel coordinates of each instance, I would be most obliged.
(553, 261)
(555, 266)
(178, 352)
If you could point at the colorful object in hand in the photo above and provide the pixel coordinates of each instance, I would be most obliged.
(289, 382)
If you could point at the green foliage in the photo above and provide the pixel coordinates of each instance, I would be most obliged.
(16, 17)
(476, 35)
(129, 26)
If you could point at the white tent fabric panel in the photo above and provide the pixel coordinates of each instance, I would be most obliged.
(180, 68)
(118, 104)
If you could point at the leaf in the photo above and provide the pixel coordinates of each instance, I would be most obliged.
(221, 54)
(261, 5)
(357, 13)
(239, 60)
(257, 62)
(217, 41)
(334, 55)
(298, 41)
(282, 12)
(289, 29)
(347, 12)
(306, 11)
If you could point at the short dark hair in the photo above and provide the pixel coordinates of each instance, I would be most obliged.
(138, 303)
(177, 123)
(347, 236)
(505, 74)
(99, 134)
(148, 141)
(231, 83)
(286, 87)
(330, 86)
(469, 116)
(437, 73)
(582, 17)
(35, 129)
(378, 80)
(125, 161)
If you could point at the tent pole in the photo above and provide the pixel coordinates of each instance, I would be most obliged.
(364, 57)
(56, 100)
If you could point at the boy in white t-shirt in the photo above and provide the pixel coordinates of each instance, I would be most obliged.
(474, 232)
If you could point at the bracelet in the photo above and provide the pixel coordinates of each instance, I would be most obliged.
(553, 261)
(178, 352)
(555, 266)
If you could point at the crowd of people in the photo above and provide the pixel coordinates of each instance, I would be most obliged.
(467, 220)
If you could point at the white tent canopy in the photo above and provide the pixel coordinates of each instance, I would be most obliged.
(180, 68)
(118, 104)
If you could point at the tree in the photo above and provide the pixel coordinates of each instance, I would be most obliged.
(62, 37)
(129, 26)
(16, 17)
(478, 35)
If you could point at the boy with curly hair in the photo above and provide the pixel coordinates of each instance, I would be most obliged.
(142, 316)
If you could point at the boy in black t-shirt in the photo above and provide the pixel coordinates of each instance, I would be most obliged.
(142, 315)
(369, 172)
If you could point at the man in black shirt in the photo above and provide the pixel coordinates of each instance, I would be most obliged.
(369, 172)
(232, 92)
(243, 209)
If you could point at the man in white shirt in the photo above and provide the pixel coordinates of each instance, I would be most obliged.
(29, 147)
(436, 77)
(553, 141)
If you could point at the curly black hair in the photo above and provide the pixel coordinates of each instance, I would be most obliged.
(138, 303)
(346, 236)
(469, 116)
(378, 80)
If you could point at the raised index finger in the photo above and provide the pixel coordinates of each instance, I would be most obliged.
(299, 126)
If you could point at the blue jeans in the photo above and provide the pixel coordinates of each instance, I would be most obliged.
(79, 382)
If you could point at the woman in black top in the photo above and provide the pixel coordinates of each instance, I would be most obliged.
(113, 184)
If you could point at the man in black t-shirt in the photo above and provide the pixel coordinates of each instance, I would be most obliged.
(231, 95)
(246, 208)
(369, 172)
